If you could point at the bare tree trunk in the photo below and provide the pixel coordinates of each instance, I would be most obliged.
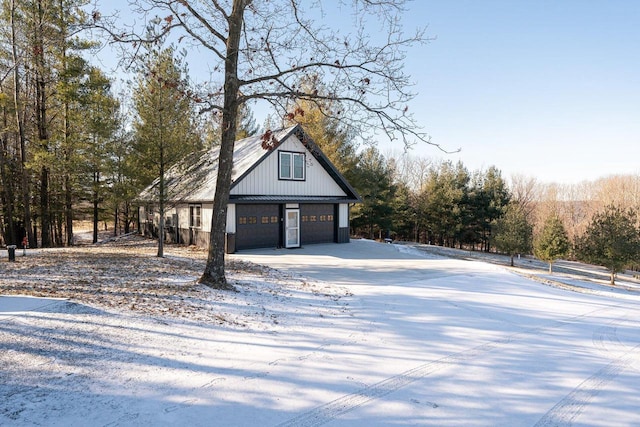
(67, 149)
(550, 267)
(45, 220)
(162, 206)
(7, 195)
(41, 121)
(68, 209)
(116, 221)
(162, 191)
(7, 188)
(68, 191)
(26, 190)
(214, 274)
(58, 225)
(96, 219)
(127, 223)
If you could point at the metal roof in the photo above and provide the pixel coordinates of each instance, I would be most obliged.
(194, 178)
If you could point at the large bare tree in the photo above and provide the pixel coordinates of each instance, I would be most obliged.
(261, 50)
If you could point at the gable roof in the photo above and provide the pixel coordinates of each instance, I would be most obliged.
(194, 178)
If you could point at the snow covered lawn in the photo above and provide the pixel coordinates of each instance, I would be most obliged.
(362, 334)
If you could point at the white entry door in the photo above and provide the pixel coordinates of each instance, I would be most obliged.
(292, 226)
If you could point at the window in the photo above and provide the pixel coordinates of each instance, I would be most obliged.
(298, 166)
(292, 166)
(265, 220)
(242, 220)
(195, 216)
(253, 220)
(274, 219)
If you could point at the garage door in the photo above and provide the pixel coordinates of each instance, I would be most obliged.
(257, 226)
(317, 224)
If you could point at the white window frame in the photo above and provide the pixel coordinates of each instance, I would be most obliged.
(293, 159)
(195, 219)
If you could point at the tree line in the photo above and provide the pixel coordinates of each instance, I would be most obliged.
(442, 203)
(70, 148)
(421, 200)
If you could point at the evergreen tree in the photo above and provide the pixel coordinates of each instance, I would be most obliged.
(553, 242)
(211, 128)
(333, 137)
(42, 40)
(257, 60)
(164, 126)
(442, 201)
(611, 240)
(101, 115)
(374, 183)
(123, 171)
(403, 215)
(512, 232)
(495, 198)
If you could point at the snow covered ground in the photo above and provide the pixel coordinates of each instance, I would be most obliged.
(363, 334)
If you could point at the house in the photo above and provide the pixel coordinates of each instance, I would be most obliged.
(284, 193)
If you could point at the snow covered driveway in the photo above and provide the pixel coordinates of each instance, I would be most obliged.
(363, 334)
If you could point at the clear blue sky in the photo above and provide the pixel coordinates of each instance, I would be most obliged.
(549, 89)
(544, 88)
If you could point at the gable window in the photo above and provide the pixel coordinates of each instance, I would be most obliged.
(195, 216)
(292, 166)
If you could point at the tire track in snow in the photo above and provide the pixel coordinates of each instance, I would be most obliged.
(569, 408)
(330, 411)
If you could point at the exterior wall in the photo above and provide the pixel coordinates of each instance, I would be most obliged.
(150, 220)
(343, 215)
(183, 215)
(195, 236)
(177, 228)
(319, 223)
(231, 218)
(342, 233)
(264, 180)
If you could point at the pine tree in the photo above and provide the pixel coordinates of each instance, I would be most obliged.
(100, 108)
(496, 198)
(442, 201)
(374, 184)
(44, 40)
(319, 121)
(512, 232)
(164, 126)
(611, 240)
(553, 241)
(257, 60)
